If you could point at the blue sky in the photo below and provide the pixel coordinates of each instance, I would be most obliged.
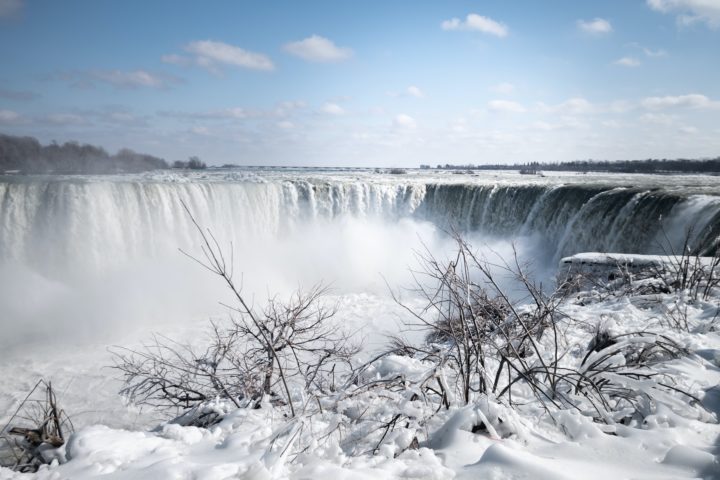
(366, 83)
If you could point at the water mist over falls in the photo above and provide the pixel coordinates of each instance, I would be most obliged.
(56, 226)
(99, 255)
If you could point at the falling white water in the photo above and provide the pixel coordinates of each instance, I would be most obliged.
(82, 255)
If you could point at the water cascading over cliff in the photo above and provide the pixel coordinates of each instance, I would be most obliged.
(579, 218)
(51, 224)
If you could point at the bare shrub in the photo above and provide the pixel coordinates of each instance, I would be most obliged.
(617, 376)
(485, 343)
(293, 344)
(36, 429)
(483, 346)
(480, 332)
(684, 271)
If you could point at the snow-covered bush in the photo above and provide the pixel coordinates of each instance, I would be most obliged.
(489, 358)
(288, 352)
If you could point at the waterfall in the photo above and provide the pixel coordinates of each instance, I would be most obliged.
(97, 222)
(579, 218)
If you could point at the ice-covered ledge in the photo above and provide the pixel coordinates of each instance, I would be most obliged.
(614, 259)
(604, 267)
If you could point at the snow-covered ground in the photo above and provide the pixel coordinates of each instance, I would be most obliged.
(675, 439)
(87, 263)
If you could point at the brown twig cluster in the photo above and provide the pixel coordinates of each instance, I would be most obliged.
(290, 349)
(37, 427)
(482, 343)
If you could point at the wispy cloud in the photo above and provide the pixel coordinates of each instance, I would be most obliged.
(657, 118)
(693, 100)
(571, 106)
(118, 78)
(503, 88)
(648, 52)
(281, 111)
(64, 119)
(628, 62)
(477, 23)
(213, 56)
(318, 49)
(332, 109)
(9, 117)
(654, 53)
(690, 11)
(414, 91)
(596, 26)
(233, 113)
(404, 121)
(411, 91)
(505, 106)
(134, 79)
(10, 7)
(108, 115)
(18, 95)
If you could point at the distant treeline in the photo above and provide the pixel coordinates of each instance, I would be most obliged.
(27, 155)
(650, 165)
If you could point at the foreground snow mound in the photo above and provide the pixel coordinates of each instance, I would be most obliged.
(635, 393)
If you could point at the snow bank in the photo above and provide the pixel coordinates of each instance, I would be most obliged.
(675, 438)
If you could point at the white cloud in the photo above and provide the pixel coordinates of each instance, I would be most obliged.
(65, 119)
(503, 88)
(18, 95)
(628, 62)
(596, 26)
(123, 117)
(282, 111)
(411, 91)
(10, 7)
(688, 130)
(612, 124)
(233, 113)
(545, 126)
(285, 125)
(658, 118)
(505, 106)
(654, 53)
(459, 125)
(333, 109)
(572, 106)
(478, 23)
(8, 116)
(213, 55)
(576, 105)
(202, 131)
(414, 91)
(288, 107)
(648, 52)
(118, 78)
(693, 100)
(564, 125)
(175, 59)
(690, 11)
(133, 79)
(318, 49)
(405, 121)
(619, 106)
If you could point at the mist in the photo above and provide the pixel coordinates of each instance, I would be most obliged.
(159, 292)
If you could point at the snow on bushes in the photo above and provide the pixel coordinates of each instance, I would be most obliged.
(498, 381)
